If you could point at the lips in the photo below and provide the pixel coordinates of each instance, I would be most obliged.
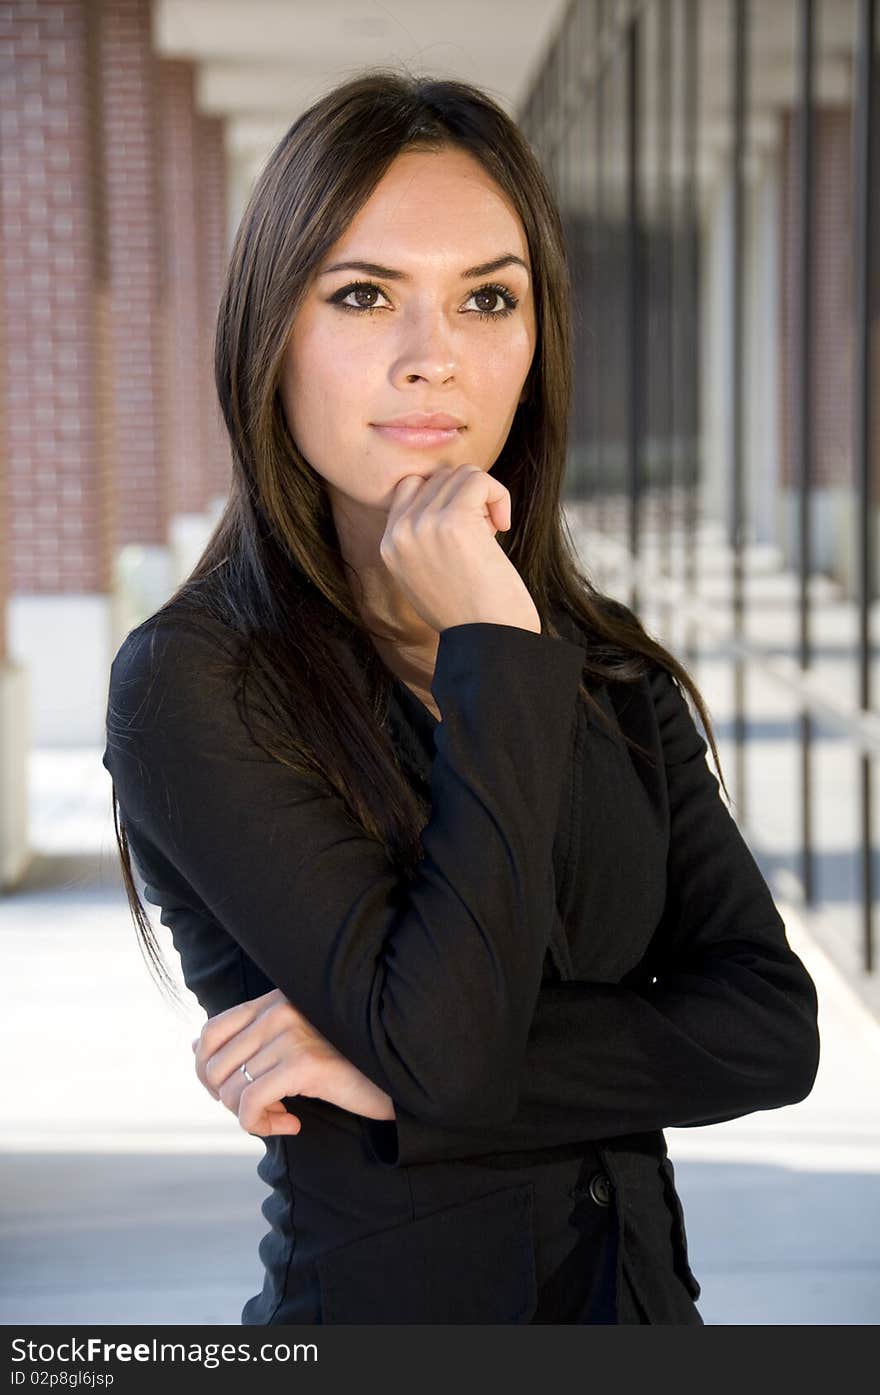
(418, 430)
(417, 437)
(429, 421)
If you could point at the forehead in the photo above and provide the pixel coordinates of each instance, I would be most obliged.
(434, 204)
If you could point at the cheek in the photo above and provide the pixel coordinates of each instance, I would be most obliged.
(326, 384)
(502, 368)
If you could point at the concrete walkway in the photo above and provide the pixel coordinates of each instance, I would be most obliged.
(128, 1195)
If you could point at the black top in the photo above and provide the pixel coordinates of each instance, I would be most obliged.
(587, 954)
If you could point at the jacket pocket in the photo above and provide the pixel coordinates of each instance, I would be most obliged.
(683, 1267)
(469, 1263)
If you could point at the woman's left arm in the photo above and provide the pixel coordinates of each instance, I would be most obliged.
(728, 1025)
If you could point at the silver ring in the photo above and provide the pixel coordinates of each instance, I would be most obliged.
(246, 1073)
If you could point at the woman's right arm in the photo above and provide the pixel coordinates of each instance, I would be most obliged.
(718, 1020)
(428, 987)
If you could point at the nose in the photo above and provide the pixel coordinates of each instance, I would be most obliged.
(428, 351)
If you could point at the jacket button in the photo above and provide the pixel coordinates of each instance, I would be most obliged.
(600, 1189)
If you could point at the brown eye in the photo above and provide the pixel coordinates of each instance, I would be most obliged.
(492, 293)
(358, 288)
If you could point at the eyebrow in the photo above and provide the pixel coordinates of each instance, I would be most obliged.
(373, 269)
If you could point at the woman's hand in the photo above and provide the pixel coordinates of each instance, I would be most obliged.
(286, 1056)
(439, 546)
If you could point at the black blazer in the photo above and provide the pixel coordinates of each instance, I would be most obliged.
(588, 955)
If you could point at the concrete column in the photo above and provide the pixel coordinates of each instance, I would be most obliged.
(58, 404)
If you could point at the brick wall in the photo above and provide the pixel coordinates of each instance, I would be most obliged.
(131, 156)
(53, 269)
(831, 271)
(4, 498)
(834, 312)
(212, 261)
(185, 377)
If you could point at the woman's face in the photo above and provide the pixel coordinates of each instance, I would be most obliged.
(429, 329)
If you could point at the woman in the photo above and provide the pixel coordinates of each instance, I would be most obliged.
(427, 815)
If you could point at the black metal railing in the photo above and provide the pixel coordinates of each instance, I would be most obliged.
(651, 115)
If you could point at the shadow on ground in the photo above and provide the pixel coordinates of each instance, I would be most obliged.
(172, 1238)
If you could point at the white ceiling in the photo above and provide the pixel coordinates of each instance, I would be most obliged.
(261, 62)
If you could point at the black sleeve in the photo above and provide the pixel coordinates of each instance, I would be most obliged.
(428, 986)
(729, 1025)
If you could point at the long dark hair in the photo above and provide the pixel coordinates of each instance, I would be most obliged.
(272, 570)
